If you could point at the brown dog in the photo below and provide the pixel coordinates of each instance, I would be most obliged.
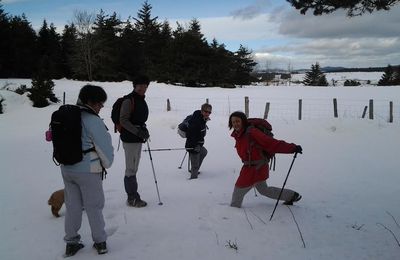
(56, 201)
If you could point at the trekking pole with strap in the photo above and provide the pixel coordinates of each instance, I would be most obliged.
(284, 183)
(180, 166)
(154, 173)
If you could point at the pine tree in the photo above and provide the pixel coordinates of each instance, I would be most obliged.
(353, 7)
(131, 56)
(41, 91)
(397, 76)
(244, 65)
(49, 50)
(388, 77)
(22, 62)
(106, 39)
(220, 66)
(148, 30)
(4, 46)
(68, 47)
(190, 55)
(163, 67)
(315, 77)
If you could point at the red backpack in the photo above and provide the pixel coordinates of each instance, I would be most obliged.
(264, 126)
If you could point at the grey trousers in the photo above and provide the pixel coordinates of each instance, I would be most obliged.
(133, 152)
(83, 191)
(263, 189)
(196, 159)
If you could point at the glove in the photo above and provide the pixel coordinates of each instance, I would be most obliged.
(298, 149)
(195, 149)
(143, 133)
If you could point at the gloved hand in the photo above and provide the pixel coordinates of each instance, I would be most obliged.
(143, 133)
(298, 149)
(197, 149)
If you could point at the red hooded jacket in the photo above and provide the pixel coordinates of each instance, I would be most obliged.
(248, 145)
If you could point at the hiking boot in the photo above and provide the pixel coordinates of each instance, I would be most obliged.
(296, 197)
(193, 177)
(136, 203)
(101, 247)
(197, 172)
(72, 248)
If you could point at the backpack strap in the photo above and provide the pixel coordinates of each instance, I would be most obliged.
(90, 111)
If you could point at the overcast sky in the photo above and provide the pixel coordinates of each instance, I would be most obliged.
(276, 33)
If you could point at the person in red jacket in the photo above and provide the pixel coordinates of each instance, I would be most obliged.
(250, 142)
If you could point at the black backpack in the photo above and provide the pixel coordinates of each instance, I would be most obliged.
(116, 111)
(66, 129)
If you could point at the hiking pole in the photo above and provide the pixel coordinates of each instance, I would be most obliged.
(166, 149)
(189, 163)
(154, 173)
(284, 183)
(180, 166)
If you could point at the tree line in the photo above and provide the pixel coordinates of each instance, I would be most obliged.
(315, 77)
(102, 47)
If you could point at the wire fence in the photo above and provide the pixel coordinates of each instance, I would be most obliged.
(287, 108)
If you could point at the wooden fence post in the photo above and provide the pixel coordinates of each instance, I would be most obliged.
(266, 110)
(391, 112)
(364, 112)
(335, 112)
(64, 98)
(168, 105)
(207, 101)
(300, 107)
(246, 106)
(371, 109)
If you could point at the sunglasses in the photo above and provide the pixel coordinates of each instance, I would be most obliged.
(207, 111)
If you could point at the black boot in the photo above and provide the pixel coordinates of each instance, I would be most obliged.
(72, 248)
(101, 247)
(131, 187)
(296, 197)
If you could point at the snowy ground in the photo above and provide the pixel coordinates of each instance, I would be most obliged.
(348, 176)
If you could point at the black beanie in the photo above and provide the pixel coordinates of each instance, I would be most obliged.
(141, 79)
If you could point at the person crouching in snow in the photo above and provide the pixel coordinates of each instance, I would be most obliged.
(249, 142)
(195, 134)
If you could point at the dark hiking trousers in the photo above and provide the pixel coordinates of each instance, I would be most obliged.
(196, 159)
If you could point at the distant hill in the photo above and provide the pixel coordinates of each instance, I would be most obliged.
(326, 70)
(343, 69)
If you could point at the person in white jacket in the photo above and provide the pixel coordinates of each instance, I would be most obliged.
(83, 180)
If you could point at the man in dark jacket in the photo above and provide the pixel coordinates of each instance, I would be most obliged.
(133, 117)
(195, 138)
